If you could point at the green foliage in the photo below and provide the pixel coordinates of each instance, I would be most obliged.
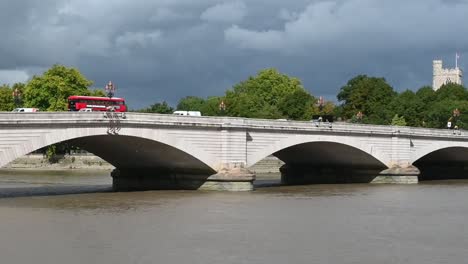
(190, 103)
(50, 91)
(398, 121)
(441, 112)
(408, 104)
(50, 153)
(210, 106)
(297, 105)
(451, 91)
(97, 92)
(161, 108)
(266, 95)
(369, 95)
(426, 94)
(6, 98)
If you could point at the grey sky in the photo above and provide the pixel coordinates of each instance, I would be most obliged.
(166, 49)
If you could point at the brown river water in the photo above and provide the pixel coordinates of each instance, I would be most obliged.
(73, 217)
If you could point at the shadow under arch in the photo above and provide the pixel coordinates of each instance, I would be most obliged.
(135, 152)
(327, 162)
(442, 164)
(291, 141)
(144, 164)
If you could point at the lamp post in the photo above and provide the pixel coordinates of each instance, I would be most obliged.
(359, 116)
(320, 103)
(222, 107)
(110, 89)
(17, 97)
(455, 114)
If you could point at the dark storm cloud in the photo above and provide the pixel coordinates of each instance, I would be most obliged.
(166, 49)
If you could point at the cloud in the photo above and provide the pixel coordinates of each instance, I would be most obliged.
(166, 49)
(229, 12)
(138, 40)
(13, 76)
(365, 25)
(261, 40)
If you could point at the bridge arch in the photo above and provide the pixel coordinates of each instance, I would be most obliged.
(434, 147)
(99, 137)
(359, 144)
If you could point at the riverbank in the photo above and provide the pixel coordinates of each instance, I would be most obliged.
(65, 162)
(88, 161)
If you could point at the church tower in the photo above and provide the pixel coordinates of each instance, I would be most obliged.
(441, 76)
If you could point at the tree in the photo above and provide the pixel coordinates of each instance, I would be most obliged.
(451, 91)
(190, 103)
(426, 94)
(441, 112)
(50, 91)
(398, 121)
(370, 95)
(97, 92)
(210, 106)
(265, 95)
(297, 105)
(408, 104)
(6, 98)
(161, 108)
(437, 106)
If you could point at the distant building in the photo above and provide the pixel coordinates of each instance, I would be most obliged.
(442, 76)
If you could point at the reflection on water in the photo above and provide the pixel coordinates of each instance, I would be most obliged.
(18, 183)
(74, 218)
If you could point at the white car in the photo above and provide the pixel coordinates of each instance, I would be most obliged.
(187, 113)
(26, 110)
(85, 110)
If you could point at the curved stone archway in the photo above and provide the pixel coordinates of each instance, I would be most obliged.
(434, 147)
(282, 143)
(445, 163)
(175, 151)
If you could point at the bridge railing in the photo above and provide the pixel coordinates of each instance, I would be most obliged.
(8, 119)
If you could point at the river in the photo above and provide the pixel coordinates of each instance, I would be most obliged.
(73, 217)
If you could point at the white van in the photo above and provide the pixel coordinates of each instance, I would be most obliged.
(26, 110)
(187, 113)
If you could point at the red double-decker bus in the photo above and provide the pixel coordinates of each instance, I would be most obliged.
(78, 102)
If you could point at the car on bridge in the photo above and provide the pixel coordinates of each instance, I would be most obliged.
(21, 110)
(187, 113)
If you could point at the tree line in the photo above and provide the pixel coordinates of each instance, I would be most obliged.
(269, 94)
(363, 99)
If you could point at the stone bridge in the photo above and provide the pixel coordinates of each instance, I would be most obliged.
(155, 151)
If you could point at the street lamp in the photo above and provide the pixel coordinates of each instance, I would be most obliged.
(359, 116)
(110, 89)
(320, 103)
(222, 107)
(455, 115)
(17, 97)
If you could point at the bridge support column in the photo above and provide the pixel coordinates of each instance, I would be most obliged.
(227, 179)
(399, 175)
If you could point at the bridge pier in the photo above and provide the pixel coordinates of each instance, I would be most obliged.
(306, 174)
(233, 179)
(399, 175)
